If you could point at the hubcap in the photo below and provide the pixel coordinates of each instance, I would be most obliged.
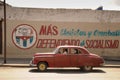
(88, 68)
(42, 67)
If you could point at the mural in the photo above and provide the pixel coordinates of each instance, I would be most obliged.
(51, 36)
(24, 36)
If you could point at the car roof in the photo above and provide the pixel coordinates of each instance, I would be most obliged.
(73, 46)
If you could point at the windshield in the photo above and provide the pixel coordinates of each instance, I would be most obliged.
(55, 51)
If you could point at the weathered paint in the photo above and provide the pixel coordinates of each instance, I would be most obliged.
(99, 31)
(98, 39)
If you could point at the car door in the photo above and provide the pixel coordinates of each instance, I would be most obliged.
(62, 59)
(84, 57)
(74, 55)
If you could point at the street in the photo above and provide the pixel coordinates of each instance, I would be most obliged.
(27, 73)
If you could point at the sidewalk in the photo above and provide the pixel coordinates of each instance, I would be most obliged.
(14, 62)
(112, 64)
(25, 63)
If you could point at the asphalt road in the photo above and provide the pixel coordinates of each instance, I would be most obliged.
(24, 73)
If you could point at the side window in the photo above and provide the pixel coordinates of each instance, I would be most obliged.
(79, 51)
(60, 51)
(75, 51)
(63, 51)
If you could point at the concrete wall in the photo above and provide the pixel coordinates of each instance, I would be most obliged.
(98, 31)
(67, 15)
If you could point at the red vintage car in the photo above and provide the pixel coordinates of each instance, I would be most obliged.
(67, 56)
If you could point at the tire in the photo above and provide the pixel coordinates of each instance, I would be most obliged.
(42, 66)
(87, 68)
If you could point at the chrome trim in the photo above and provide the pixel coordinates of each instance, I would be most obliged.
(31, 62)
(45, 56)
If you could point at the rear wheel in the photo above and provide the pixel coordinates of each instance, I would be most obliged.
(42, 66)
(87, 68)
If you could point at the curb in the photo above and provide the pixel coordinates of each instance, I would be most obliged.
(15, 65)
(28, 66)
(111, 66)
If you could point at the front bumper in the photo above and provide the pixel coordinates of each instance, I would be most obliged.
(32, 63)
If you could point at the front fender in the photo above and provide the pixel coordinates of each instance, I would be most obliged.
(48, 59)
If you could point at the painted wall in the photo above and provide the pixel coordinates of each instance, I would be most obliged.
(41, 30)
(35, 36)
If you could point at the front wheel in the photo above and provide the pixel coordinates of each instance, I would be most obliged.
(87, 68)
(42, 66)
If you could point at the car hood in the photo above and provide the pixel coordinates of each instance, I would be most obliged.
(44, 54)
